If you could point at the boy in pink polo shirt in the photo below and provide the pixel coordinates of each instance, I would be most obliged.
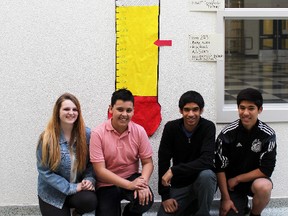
(116, 147)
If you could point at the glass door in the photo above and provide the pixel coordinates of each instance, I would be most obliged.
(273, 38)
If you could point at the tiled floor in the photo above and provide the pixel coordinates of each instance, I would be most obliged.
(270, 76)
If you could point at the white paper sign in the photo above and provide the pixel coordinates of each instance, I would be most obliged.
(206, 5)
(206, 47)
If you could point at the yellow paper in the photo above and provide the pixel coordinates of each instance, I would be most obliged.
(136, 53)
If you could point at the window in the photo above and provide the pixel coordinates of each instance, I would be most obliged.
(256, 49)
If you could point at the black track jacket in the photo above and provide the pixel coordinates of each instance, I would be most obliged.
(240, 151)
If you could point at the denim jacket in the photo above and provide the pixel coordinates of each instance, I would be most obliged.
(53, 187)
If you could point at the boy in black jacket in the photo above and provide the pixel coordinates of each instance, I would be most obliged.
(188, 186)
(245, 158)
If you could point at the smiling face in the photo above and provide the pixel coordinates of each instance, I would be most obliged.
(122, 112)
(191, 113)
(68, 113)
(248, 113)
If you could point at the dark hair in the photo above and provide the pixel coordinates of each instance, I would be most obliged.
(191, 97)
(122, 94)
(252, 95)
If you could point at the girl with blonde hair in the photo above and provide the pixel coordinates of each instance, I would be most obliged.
(66, 181)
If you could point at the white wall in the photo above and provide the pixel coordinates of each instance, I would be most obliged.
(50, 47)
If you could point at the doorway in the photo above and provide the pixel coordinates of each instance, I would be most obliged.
(273, 38)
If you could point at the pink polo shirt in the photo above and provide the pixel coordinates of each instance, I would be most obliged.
(121, 153)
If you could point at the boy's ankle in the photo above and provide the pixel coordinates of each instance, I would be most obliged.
(251, 214)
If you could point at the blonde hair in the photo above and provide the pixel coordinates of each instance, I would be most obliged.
(49, 139)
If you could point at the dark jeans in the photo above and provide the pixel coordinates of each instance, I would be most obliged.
(83, 202)
(109, 201)
(194, 199)
(240, 201)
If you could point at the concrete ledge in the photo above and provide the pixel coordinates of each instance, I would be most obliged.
(276, 207)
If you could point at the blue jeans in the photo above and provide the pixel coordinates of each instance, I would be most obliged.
(109, 201)
(194, 199)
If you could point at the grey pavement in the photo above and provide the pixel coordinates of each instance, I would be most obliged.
(276, 207)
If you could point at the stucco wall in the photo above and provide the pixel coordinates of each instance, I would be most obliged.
(51, 47)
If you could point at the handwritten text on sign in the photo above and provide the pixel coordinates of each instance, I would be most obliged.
(206, 47)
(206, 5)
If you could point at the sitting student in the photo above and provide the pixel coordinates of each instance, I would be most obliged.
(188, 186)
(66, 179)
(245, 158)
(115, 150)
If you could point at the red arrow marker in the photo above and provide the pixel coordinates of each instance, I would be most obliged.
(163, 43)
